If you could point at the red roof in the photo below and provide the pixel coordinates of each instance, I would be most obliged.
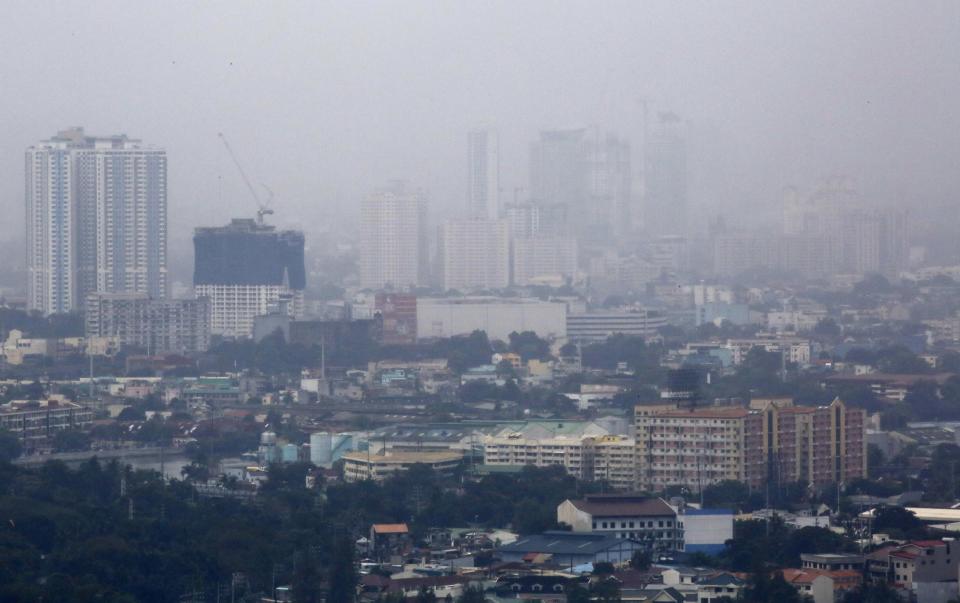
(390, 528)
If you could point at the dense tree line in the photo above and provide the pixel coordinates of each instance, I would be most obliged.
(103, 532)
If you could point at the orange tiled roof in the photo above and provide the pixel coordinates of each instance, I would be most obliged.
(390, 528)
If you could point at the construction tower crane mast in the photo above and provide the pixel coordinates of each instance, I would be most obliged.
(263, 208)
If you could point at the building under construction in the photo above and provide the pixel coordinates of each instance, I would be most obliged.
(247, 268)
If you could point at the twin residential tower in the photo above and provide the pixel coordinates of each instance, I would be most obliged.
(96, 219)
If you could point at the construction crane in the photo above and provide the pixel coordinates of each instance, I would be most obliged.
(263, 208)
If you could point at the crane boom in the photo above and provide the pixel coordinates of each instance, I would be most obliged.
(261, 208)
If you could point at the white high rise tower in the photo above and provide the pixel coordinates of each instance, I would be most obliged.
(96, 219)
(393, 238)
(483, 174)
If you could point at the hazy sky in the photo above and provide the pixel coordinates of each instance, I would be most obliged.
(324, 101)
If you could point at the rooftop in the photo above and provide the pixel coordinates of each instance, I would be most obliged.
(624, 506)
(390, 528)
(563, 543)
(404, 457)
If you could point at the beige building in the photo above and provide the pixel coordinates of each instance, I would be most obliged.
(33, 421)
(590, 455)
(393, 238)
(771, 440)
(691, 448)
(360, 466)
(475, 254)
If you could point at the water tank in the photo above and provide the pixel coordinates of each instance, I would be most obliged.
(321, 449)
(268, 438)
(290, 454)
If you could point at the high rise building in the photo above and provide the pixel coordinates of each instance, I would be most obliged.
(96, 219)
(834, 219)
(475, 254)
(393, 238)
(246, 268)
(544, 259)
(483, 174)
(588, 173)
(665, 207)
(154, 325)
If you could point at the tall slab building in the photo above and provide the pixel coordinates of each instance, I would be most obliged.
(483, 174)
(665, 211)
(587, 172)
(393, 238)
(96, 219)
(245, 269)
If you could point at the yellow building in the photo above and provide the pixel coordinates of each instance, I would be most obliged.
(359, 466)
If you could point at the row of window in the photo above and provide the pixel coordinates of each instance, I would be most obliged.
(631, 524)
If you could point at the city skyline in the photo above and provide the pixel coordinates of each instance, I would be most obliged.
(749, 137)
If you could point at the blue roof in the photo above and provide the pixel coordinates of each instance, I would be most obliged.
(566, 543)
(707, 511)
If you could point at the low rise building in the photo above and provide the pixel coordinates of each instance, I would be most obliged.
(570, 549)
(722, 587)
(360, 466)
(650, 521)
(705, 530)
(586, 450)
(823, 586)
(34, 421)
(598, 326)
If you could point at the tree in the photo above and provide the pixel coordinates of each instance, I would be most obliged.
(71, 440)
(307, 579)
(577, 594)
(603, 568)
(425, 595)
(897, 521)
(472, 594)
(761, 588)
(874, 592)
(132, 413)
(529, 346)
(873, 284)
(531, 517)
(728, 494)
(641, 560)
(606, 589)
(343, 575)
(10, 447)
(827, 327)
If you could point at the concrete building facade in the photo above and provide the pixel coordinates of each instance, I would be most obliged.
(393, 238)
(246, 269)
(96, 212)
(156, 325)
(475, 254)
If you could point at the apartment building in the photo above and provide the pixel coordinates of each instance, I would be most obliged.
(155, 325)
(36, 420)
(772, 441)
(692, 448)
(610, 458)
(96, 219)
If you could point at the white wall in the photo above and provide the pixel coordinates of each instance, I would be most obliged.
(439, 317)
